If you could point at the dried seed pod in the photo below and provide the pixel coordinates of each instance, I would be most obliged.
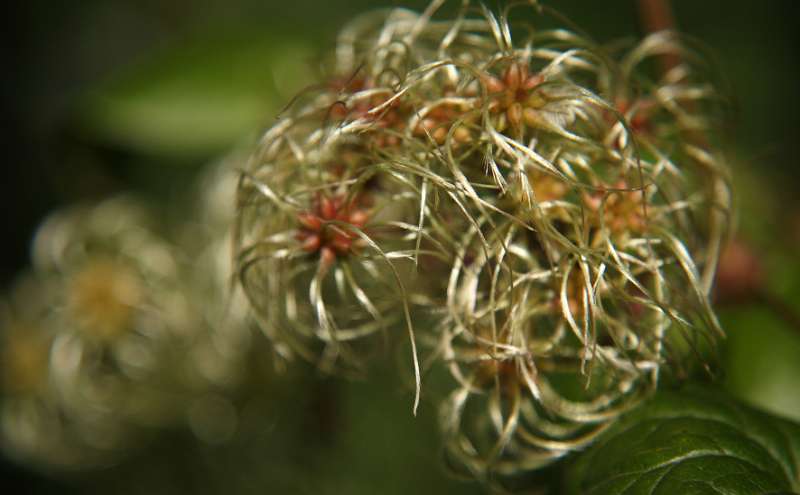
(566, 203)
(320, 250)
(115, 310)
(30, 424)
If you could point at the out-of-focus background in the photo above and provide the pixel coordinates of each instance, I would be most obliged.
(112, 95)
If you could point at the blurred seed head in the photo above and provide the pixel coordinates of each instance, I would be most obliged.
(94, 331)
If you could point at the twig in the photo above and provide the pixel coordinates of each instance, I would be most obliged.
(655, 16)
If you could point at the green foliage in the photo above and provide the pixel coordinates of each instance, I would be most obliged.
(197, 98)
(692, 441)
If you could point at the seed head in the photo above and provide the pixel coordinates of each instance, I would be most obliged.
(553, 206)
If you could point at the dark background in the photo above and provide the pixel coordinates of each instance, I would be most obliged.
(108, 95)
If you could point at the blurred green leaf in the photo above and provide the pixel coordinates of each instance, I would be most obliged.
(199, 98)
(696, 441)
(760, 352)
(761, 360)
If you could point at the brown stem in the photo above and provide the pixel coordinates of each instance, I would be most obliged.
(656, 15)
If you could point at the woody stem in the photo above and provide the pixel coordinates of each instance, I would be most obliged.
(656, 15)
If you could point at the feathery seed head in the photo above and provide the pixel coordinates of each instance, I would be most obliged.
(556, 204)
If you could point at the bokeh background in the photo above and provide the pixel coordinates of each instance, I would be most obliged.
(112, 95)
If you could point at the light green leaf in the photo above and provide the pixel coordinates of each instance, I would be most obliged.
(198, 98)
(696, 441)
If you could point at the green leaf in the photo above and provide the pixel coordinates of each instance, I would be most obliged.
(761, 358)
(198, 97)
(696, 441)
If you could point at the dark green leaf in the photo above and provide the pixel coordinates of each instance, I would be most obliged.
(696, 441)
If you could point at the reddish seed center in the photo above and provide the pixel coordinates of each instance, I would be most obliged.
(321, 228)
(512, 92)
